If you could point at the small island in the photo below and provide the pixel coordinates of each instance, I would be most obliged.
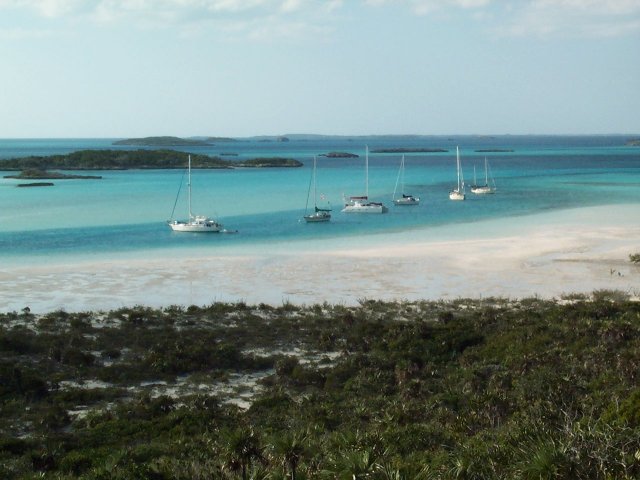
(409, 150)
(339, 155)
(633, 143)
(267, 163)
(220, 140)
(130, 159)
(37, 174)
(36, 184)
(164, 142)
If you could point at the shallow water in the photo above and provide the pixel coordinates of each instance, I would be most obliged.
(124, 213)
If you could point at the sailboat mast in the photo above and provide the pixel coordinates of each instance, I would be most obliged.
(486, 172)
(395, 189)
(458, 165)
(366, 172)
(189, 189)
(402, 176)
(315, 198)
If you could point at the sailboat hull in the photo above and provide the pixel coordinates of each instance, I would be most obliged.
(404, 201)
(364, 209)
(361, 205)
(196, 226)
(318, 217)
(456, 195)
(482, 190)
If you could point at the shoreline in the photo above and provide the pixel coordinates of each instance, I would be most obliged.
(546, 255)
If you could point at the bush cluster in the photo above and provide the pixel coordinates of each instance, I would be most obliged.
(486, 389)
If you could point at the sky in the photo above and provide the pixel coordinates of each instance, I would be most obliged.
(136, 68)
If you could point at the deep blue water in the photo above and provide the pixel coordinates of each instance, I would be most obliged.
(125, 211)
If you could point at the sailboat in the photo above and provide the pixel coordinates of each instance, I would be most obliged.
(405, 199)
(361, 204)
(319, 214)
(195, 223)
(458, 193)
(486, 188)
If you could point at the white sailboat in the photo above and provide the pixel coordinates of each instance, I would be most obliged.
(458, 193)
(195, 223)
(486, 188)
(361, 204)
(319, 214)
(405, 198)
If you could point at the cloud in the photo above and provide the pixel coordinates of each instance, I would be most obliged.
(253, 19)
(19, 34)
(425, 7)
(45, 8)
(286, 18)
(573, 18)
(541, 18)
(169, 8)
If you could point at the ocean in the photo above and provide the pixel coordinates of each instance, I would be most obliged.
(125, 212)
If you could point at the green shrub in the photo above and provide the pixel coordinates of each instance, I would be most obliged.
(76, 462)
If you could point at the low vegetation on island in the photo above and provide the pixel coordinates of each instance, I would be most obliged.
(466, 389)
(35, 184)
(37, 174)
(163, 142)
(136, 159)
(339, 155)
(168, 141)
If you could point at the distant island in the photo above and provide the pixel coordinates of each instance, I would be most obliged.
(135, 159)
(267, 138)
(339, 155)
(37, 174)
(409, 150)
(633, 143)
(220, 139)
(36, 184)
(494, 150)
(267, 163)
(164, 142)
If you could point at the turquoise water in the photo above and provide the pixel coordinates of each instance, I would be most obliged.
(125, 211)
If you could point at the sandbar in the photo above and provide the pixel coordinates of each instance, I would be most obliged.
(547, 255)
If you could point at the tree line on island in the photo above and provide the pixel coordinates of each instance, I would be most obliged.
(465, 389)
(168, 141)
(137, 159)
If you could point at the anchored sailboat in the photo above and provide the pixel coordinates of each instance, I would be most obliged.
(195, 223)
(458, 193)
(486, 188)
(319, 214)
(405, 199)
(361, 204)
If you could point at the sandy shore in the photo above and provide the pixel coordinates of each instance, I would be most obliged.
(548, 255)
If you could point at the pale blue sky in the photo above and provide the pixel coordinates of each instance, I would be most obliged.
(128, 68)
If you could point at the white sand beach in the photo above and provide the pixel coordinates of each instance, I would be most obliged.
(546, 255)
